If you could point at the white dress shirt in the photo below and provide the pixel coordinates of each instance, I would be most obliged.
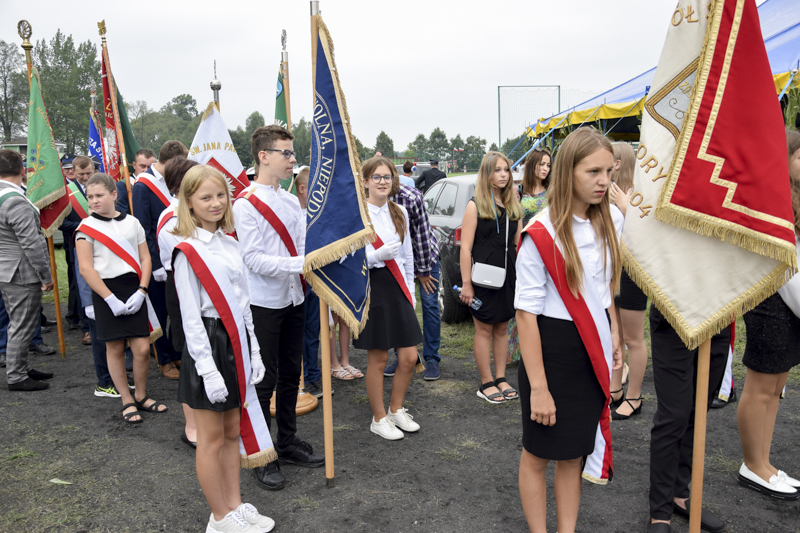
(167, 241)
(384, 227)
(195, 302)
(536, 292)
(106, 263)
(271, 270)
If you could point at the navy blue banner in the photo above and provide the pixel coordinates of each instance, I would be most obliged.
(337, 224)
(96, 144)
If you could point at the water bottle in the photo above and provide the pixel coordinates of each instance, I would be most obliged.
(476, 304)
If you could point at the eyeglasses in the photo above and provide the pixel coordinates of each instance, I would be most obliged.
(377, 179)
(288, 154)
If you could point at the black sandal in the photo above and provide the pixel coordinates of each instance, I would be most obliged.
(636, 411)
(616, 403)
(494, 398)
(127, 416)
(153, 408)
(510, 393)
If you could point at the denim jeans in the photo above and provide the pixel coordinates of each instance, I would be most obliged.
(37, 336)
(311, 371)
(431, 320)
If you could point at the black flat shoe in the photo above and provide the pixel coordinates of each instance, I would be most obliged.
(269, 477)
(301, 454)
(28, 385)
(659, 527)
(616, 403)
(186, 441)
(637, 411)
(708, 521)
(39, 376)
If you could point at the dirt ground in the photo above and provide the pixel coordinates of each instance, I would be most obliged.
(459, 473)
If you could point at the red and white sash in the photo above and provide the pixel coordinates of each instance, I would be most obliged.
(255, 444)
(391, 264)
(590, 318)
(166, 215)
(76, 200)
(273, 219)
(102, 233)
(158, 187)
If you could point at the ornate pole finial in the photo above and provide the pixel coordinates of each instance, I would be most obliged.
(24, 31)
(102, 27)
(216, 85)
(283, 39)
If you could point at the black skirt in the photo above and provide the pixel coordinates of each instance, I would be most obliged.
(115, 328)
(191, 389)
(392, 322)
(577, 394)
(176, 335)
(497, 305)
(630, 296)
(773, 337)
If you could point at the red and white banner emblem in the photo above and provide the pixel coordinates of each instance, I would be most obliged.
(212, 145)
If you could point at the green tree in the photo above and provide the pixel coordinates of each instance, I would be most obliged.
(253, 122)
(302, 141)
(474, 149)
(519, 151)
(66, 72)
(457, 143)
(364, 152)
(493, 148)
(241, 143)
(384, 144)
(14, 91)
(438, 145)
(418, 147)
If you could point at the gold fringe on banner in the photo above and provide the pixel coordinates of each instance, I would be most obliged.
(700, 223)
(57, 222)
(156, 334)
(337, 306)
(262, 458)
(336, 250)
(693, 338)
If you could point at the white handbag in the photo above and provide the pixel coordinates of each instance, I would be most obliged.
(490, 276)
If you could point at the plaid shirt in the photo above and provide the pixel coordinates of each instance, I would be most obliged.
(423, 240)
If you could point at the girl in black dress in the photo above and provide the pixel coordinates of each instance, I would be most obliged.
(773, 348)
(564, 387)
(489, 234)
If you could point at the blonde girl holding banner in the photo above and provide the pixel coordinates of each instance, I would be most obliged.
(392, 322)
(114, 260)
(567, 272)
(221, 359)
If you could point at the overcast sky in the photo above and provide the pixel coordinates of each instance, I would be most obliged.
(406, 67)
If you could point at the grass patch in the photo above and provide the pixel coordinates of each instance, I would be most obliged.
(448, 388)
(344, 427)
(360, 399)
(17, 453)
(469, 365)
(63, 283)
(722, 463)
(451, 454)
(304, 503)
(467, 442)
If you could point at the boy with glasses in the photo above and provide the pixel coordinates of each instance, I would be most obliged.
(271, 230)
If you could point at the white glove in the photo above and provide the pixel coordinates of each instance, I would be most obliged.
(135, 302)
(117, 307)
(160, 274)
(387, 252)
(296, 264)
(215, 386)
(257, 367)
(89, 310)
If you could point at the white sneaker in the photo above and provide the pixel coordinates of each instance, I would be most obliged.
(385, 428)
(403, 420)
(233, 522)
(792, 482)
(774, 487)
(250, 513)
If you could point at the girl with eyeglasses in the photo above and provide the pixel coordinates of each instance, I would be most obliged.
(489, 234)
(392, 322)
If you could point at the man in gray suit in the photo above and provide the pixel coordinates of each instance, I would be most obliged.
(24, 272)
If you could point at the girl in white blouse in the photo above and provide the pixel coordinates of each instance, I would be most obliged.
(209, 374)
(118, 292)
(392, 322)
(564, 375)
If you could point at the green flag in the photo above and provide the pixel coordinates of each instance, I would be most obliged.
(281, 119)
(131, 146)
(46, 186)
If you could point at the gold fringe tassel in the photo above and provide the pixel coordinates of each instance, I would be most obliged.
(595, 480)
(782, 251)
(338, 249)
(262, 458)
(210, 109)
(337, 306)
(156, 334)
(692, 338)
(57, 222)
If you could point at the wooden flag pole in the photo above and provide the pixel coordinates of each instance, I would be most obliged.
(24, 30)
(327, 406)
(112, 89)
(699, 453)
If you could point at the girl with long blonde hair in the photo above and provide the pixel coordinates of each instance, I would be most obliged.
(489, 234)
(568, 263)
